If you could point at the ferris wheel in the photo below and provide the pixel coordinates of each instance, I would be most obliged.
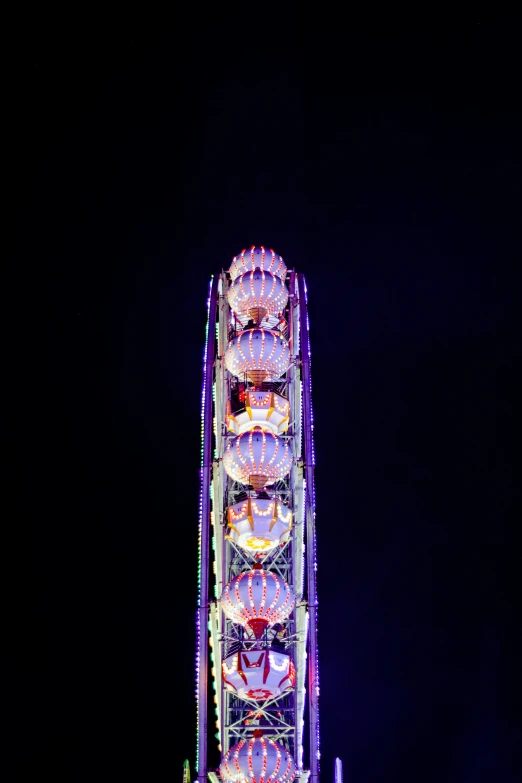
(256, 628)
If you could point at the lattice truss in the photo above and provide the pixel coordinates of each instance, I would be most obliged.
(280, 717)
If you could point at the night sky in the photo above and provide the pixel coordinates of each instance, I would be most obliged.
(384, 165)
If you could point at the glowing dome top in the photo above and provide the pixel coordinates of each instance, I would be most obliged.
(257, 760)
(260, 353)
(257, 457)
(256, 294)
(257, 258)
(257, 598)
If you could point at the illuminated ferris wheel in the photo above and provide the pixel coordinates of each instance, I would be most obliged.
(257, 609)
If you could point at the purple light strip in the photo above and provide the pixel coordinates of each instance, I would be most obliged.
(311, 551)
(204, 535)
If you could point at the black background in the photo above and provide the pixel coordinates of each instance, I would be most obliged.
(384, 163)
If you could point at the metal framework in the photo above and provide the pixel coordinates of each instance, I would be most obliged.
(292, 718)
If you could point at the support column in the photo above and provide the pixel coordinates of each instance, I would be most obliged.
(204, 546)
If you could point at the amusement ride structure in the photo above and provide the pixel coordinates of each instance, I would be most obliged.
(257, 649)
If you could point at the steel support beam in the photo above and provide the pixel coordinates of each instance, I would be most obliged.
(311, 557)
(206, 473)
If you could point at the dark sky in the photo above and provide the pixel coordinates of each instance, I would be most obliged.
(384, 164)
